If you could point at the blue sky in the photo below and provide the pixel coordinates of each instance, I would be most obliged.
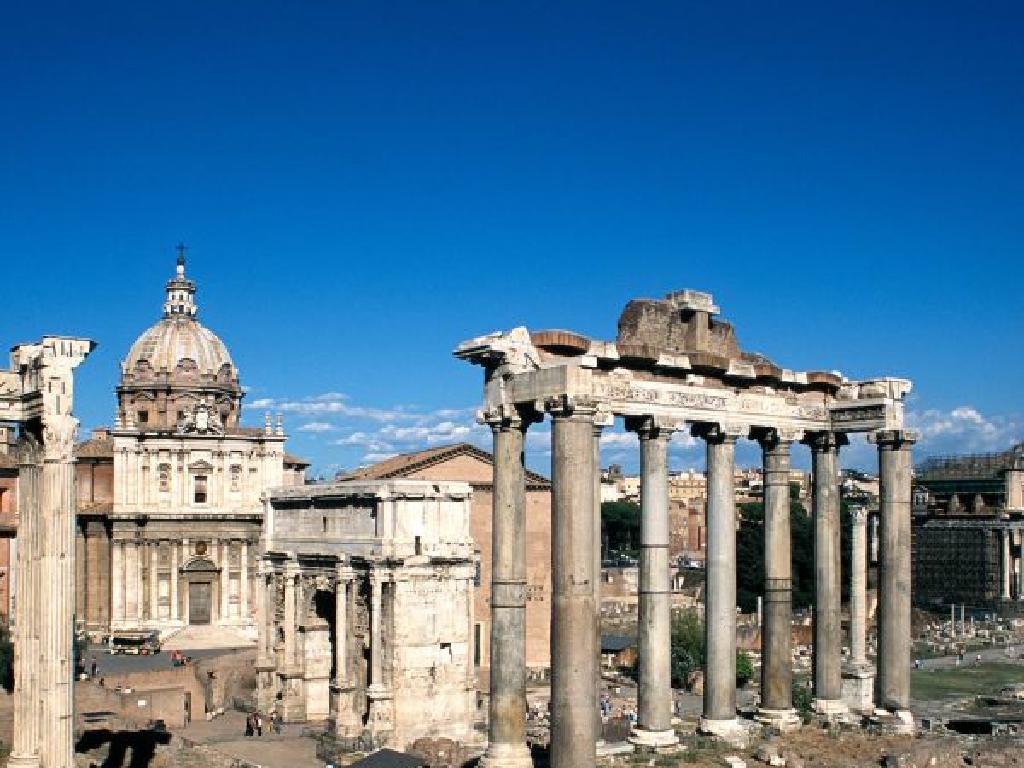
(364, 185)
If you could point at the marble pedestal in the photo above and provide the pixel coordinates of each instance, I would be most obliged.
(859, 689)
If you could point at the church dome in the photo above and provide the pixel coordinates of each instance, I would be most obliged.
(179, 344)
(177, 366)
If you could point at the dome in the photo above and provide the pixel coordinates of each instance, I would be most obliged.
(182, 345)
(177, 367)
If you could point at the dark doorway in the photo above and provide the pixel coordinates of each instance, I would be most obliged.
(199, 594)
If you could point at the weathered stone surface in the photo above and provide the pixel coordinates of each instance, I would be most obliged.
(370, 580)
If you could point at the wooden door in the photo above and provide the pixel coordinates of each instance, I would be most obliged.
(199, 602)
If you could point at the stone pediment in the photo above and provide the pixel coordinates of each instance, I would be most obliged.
(200, 466)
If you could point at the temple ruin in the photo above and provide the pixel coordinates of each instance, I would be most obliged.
(675, 366)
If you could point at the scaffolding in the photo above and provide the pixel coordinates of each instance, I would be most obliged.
(969, 466)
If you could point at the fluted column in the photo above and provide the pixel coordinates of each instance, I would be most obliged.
(25, 747)
(599, 425)
(654, 646)
(506, 734)
(892, 686)
(719, 713)
(573, 652)
(776, 705)
(827, 573)
(858, 587)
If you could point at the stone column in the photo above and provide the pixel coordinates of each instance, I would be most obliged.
(573, 652)
(53, 594)
(858, 587)
(599, 425)
(340, 633)
(827, 574)
(154, 580)
(776, 707)
(719, 713)
(654, 645)
(243, 583)
(1020, 574)
(376, 665)
(131, 583)
(225, 579)
(858, 676)
(117, 583)
(25, 747)
(506, 735)
(173, 586)
(290, 578)
(892, 686)
(1006, 562)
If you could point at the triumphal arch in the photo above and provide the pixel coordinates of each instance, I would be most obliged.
(37, 395)
(675, 366)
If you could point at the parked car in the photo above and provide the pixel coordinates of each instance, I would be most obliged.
(134, 643)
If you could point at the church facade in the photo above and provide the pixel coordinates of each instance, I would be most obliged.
(169, 499)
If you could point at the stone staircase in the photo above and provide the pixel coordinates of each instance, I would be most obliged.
(205, 637)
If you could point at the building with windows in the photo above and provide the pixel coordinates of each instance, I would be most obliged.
(168, 500)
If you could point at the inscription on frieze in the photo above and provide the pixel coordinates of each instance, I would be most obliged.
(862, 413)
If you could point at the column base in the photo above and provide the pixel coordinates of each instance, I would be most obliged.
(23, 761)
(730, 730)
(783, 720)
(642, 737)
(899, 722)
(831, 710)
(506, 756)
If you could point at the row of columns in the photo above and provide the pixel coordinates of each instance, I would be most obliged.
(575, 433)
(134, 599)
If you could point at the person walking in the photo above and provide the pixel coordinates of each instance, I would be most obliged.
(93, 668)
(248, 725)
(259, 724)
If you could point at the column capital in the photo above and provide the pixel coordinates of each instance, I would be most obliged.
(859, 515)
(570, 406)
(720, 432)
(825, 441)
(59, 435)
(776, 437)
(652, 427)
(507, 416)
(893, 439)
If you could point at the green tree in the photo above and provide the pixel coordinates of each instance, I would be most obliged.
(750, 555)
(620, 527)
(744, 669)
(687, 646)
(688, 651)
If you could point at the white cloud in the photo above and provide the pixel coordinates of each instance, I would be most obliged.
(963, 429)
(317, 426)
